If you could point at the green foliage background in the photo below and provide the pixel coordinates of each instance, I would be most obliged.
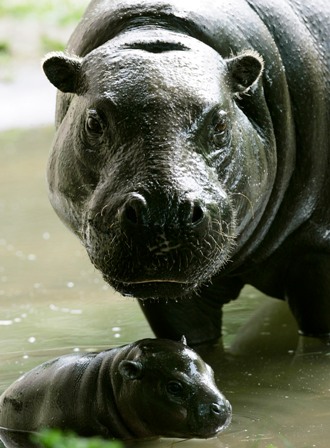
(57, 439)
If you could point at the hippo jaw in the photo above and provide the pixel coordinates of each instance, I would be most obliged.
(153, 288)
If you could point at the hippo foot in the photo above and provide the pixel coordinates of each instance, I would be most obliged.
(210, 349)
(196, 318)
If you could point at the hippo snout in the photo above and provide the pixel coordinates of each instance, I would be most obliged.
(214, 417)
(157, 241)
(138, 213)
(221, 410)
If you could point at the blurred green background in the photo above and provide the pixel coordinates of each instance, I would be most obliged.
(28, 29)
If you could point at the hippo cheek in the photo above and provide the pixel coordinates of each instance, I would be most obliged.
(191, 418)
(204, 420)
(174, 422)
(143, 257)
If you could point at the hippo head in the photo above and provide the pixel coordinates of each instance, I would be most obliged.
(165, 389)
(155, 165)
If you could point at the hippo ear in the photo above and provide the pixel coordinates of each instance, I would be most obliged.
(245, 70)
(183, 340)
(63, 71)
(130, 370)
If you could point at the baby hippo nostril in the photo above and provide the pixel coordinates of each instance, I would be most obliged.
(216, 408)
(221, 411)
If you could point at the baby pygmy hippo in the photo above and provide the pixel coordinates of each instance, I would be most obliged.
(152, 387)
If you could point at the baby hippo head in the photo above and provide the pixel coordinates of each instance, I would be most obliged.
(168, 390)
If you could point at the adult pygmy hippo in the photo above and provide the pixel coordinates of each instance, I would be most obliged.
(192, 155)
(152, 387)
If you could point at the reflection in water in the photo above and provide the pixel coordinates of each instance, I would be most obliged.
(53, 302)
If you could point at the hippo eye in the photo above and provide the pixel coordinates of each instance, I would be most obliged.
(174, 388)
(219, 129)
(94, 123)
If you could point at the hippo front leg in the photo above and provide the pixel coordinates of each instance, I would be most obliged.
(198, 317)
(308, 295)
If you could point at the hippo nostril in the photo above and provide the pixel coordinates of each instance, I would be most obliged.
(221, 411)
(197, 214)
(131, 214)
(215, 408)
(134, 210)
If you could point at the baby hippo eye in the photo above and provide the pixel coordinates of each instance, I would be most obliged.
(94, 123)
(174, 388)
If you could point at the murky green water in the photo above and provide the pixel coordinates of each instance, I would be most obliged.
(52, 302)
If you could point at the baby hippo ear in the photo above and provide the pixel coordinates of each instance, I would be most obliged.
(245, 70)
(130, 370)
(63, 71)
(183, 340)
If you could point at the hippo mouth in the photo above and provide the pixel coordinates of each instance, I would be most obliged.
(156, 260)
(148, 289)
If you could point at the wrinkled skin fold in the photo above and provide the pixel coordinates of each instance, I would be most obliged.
(191, 153)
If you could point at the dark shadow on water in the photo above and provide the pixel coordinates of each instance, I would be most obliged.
(280, 395)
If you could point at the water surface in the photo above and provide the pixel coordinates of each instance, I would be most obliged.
(52, 302)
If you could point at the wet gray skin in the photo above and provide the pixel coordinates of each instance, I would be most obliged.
(152, 387)
(191, 155)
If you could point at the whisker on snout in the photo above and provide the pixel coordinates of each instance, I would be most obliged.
(248, 200)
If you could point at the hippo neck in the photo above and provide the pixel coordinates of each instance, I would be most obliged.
(302, 142)
(107, 413)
